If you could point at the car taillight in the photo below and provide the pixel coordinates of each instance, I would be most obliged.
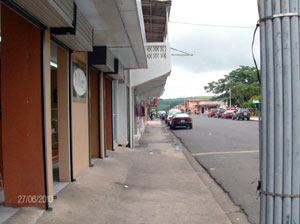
(188, 119)
(176, 120)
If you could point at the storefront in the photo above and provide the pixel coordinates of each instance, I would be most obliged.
(59, 107)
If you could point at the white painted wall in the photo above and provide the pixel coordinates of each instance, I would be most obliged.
(121, 114)
(122, 109)
(157, 66)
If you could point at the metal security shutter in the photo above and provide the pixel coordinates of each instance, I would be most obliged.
(52, 13)
(83, 40)
(118, 71)
(61, 14)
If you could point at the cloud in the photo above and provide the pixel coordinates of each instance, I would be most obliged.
(216, 50)
(213, 50)
(184, 83)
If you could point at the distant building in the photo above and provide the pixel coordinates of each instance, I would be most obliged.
(190, 105)
(205, 106)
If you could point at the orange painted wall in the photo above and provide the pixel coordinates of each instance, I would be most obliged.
(21, 110)
(80, 123)
(108, 114)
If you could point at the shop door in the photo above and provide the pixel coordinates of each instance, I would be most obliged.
(22, 119)
(108, 115)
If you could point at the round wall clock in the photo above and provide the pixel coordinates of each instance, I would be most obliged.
(79, 82)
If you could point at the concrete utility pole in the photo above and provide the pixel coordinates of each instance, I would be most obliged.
(184, 103)
(280, 127)
(230, 97)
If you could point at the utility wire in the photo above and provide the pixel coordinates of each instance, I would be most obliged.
(212, 25)
(252, 48)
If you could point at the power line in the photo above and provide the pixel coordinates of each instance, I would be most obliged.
(212, 25)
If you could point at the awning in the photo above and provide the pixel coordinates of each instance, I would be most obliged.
(210, 103)
(118, 24)
(52, 13)
(152, 88)
(63, 15)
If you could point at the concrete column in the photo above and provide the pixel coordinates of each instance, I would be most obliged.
(122, 114)
(47, 100)
(80, 121)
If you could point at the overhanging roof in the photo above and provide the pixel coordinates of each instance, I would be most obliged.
(156, 16)
(153, 88)
(118, 24)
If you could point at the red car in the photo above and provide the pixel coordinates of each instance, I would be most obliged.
(219, 112)
(212, 113)
(227, 114)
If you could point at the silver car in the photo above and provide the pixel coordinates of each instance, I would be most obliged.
(181, 120)
(171, 113)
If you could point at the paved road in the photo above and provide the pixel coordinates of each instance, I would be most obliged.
(229, 151)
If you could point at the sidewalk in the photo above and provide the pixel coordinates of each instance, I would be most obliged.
(254, 118)
(151, 184)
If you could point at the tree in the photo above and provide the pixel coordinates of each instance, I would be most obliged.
(242, 83)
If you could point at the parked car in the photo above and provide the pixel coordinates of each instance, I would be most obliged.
(212, 113)
(181, 120)
(227, 114)
(219, 113)
(171, 113)
(241, 113)
(161, 114)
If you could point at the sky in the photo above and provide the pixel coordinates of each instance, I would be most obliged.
(216, 50)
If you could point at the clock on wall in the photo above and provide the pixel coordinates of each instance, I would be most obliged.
(79, 82)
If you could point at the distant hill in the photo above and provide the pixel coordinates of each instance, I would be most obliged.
(165, 104)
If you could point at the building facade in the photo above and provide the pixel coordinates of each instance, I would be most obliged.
(205, 106)
(71, 74)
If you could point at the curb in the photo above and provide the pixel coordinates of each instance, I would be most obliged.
(235, 213)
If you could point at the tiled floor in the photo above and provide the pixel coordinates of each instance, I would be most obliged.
(94, 160)
(57, 185)
(1, 196)
(5, 212)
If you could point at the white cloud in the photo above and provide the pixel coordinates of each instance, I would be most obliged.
(216, 50)
(184, 83)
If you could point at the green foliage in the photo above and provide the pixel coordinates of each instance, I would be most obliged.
(166, 104)
(249, 104)
(242, 82)
(162, 107)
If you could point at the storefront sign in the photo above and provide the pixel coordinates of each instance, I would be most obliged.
(231, 108)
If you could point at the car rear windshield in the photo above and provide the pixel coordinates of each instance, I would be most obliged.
(172, 112)
(244, 110)
(181, 115)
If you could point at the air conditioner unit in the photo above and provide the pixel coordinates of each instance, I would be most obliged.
(118, 71)
(102, 58)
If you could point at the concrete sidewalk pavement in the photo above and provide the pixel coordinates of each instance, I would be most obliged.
(151, 184)
(254, 118)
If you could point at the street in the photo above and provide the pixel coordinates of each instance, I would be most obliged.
(228, 150)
